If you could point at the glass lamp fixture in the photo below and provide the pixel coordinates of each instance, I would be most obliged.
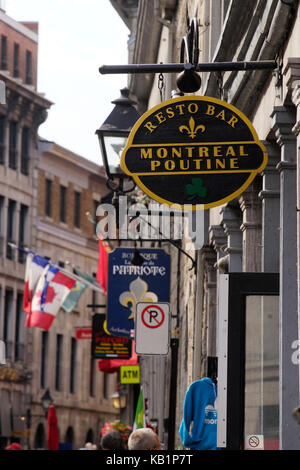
(118, 400)
(113, 135)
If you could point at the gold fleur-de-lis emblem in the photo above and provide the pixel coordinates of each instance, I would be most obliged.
(138, 292)
(193, 129)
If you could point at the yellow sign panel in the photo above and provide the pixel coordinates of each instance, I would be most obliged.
(130, 374)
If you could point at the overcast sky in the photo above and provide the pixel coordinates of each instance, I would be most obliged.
(75, 39)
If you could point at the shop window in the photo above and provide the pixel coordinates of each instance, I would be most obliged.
(90, 436)
(40, 437)
(69, 439)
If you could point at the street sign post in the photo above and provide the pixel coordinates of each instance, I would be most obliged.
(152, 328)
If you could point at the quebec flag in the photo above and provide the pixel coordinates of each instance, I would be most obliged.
(35, 265)
(51, 291)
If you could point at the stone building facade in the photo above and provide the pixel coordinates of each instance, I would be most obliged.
(247, 275)
(70, 187)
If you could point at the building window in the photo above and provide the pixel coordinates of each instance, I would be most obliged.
(3, 52)
(92, 377)
(28, 78)
(76, 209)
(105, 385)
(11, 222)
(48, 197)
(20, 329)
(2, 140)
(73, 365)
(16, 59)
(23, 230)
(44, 354)
(8, 322)
(25, 151)
(63, 200)
(58, 365)
(1, 225)
(12, 163)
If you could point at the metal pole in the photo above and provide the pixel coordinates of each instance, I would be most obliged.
(205, 67)
(173, 392)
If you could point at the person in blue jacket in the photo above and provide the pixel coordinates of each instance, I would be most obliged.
(199, 410)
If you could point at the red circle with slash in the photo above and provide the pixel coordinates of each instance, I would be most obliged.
(152, 316)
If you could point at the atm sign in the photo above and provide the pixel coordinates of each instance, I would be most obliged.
(130, 374)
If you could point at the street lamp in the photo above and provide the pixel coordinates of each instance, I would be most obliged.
(112, 135)
(118, 400)
(47, 401)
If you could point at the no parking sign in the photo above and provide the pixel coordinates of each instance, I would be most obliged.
(152, 328)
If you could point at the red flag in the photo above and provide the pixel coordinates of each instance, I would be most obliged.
(51, 291)
(35, 265)
(104, 249)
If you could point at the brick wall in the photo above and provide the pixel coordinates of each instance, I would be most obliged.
(86, 204)
(25, 44)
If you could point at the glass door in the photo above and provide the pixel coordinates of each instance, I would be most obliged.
(248, 361)
(261, 417)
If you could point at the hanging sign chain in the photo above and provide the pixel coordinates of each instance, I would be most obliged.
(161, 85)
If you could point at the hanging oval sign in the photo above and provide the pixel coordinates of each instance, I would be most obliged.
(193, 150)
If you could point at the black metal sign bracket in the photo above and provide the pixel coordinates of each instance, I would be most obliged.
(188, 80)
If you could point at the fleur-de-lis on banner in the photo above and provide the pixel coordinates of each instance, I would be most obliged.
(192, 130)
(138, 292)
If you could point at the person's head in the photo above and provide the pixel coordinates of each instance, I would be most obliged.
(90, 446)
(143, 439)
(112, 441)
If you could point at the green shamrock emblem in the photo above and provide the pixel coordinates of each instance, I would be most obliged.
(196, 188)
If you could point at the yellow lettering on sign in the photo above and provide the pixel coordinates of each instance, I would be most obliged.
(150, 126)
(146, 153)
